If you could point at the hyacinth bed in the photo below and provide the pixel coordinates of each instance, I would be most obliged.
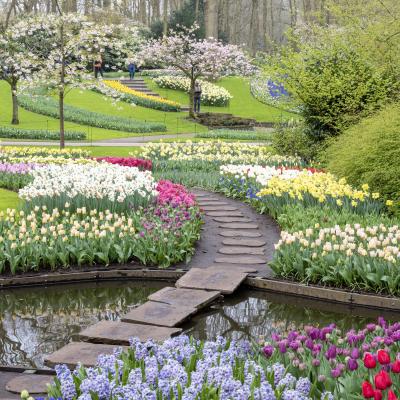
(77, 211)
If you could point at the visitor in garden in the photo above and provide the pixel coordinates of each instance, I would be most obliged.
(98, 68)
(197, 97)
(132, 70)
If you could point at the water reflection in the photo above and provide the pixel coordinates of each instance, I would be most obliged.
(255, 314)
(37, 321)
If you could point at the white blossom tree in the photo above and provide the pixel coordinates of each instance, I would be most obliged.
(23, 48)
(196, 58)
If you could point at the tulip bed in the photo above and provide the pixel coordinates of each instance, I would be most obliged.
(78, 211)
(352, 365)
(212, 95)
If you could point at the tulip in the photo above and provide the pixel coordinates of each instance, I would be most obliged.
(396, 367)
(369, 361)
(383, 357)
(382, 380)
(268, 351)
(367, 390)
(391, 395)
(352, 364)
(378, 395)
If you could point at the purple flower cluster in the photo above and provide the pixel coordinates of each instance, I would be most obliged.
(17, 168)
(182, 368)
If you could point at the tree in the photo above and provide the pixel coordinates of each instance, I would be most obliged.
(22, 51)
(196, 58)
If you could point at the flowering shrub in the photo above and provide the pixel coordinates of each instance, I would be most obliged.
(133, 96)
(101, 186)
(214, 153)
(355, 257)
(128, 162)
(173, 194)
(363, 364)
(181, 369)
(159, 235)
(212, 95)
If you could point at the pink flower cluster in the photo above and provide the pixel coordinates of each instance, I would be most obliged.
(174, 194)
(128, 162)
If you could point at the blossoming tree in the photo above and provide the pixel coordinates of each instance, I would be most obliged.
(23, 47)
(196, 58)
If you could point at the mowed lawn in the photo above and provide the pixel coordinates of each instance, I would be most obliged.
(8, 199)
(243, 104)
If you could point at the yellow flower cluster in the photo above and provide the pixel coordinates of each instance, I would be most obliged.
(116, 85)
(320, 186)
(8, 152)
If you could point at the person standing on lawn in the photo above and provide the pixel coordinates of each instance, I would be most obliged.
(98, 67)
(197, 97)
(132, 70)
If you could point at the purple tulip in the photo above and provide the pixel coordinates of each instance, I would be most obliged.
(331, 353)
(355, 353)
(352, 364)
(268, 351)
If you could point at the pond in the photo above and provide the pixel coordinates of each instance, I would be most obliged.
(37, 321)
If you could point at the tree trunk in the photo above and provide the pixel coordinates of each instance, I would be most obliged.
(61, 105)
(165, 18)
(191, 98)
(62, 87)
(196, 11)
(211, 18)
(15, 119)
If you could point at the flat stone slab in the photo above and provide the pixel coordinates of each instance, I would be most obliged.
(79, 352)
(212, 203)
(238, 225)
(234, 250)
(224, 279)
(119, 333)
(239, 234)
(160, 314)
(33, 383)
(231, 219)
(220, 208)
(244, 242)
(240, 260)
(184, 297)
(224, 214)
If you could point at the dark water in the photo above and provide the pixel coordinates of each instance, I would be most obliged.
(38, 321)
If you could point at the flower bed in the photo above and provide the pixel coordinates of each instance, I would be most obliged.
(184, 369)
(24, 152)
(18, 133)
(128, 162)
(212, 95)
(353, 257)
(49, 107)
(133, 96)
(15, 176)
(352, 365)
(102, 186)
(233, 134)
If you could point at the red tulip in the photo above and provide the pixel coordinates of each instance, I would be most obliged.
(382, 380)
(367, 390)
(369, 361)
(396, 367)
(391, 395)
(378, 395)
(383, 357)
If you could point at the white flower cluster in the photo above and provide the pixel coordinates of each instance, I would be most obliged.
(353, 240)
(101, 181)
(212, 95)
(257, 172)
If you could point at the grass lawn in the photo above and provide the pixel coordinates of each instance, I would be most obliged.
(8, 199)
(243, 103)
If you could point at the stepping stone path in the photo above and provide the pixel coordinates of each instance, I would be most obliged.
(34, 383)
(237, 242)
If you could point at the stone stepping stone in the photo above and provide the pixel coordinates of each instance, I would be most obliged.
(238, 234)
(119, 333)
(79, 352)
(184, 297)
(220, 208)
(224, 214)
(238, 225)
(33, 383)
(160, 314)
(241, 260)
(224, 279)
(241, 250)
(212, 203)
(244, 242)
(231, 219)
